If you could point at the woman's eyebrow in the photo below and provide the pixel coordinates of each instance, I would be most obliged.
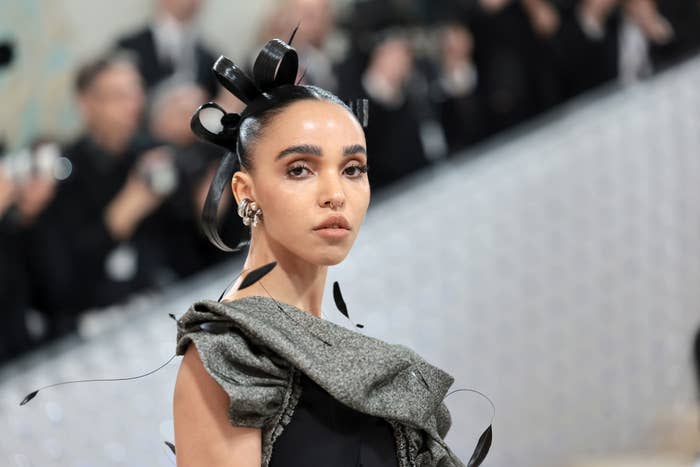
(299, 148)
(316, 151)
(354, 149)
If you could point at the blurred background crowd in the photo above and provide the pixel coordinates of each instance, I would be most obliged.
(86, 222)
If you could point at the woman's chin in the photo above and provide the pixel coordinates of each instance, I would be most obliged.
(331, 257)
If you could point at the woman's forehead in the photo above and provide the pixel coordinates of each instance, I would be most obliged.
(316, 119)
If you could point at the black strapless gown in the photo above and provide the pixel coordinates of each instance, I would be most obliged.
(325, 433)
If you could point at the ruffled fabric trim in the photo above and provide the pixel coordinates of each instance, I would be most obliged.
(402, 452)
(428, 450)
(275, 429)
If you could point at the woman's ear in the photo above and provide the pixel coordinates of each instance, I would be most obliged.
(242, 186)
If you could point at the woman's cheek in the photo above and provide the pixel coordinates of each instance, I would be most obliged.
(287, 217)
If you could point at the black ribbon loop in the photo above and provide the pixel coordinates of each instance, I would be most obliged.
(234, 80)
(227, 135)
(276, 64)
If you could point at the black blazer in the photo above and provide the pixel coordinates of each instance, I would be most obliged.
(143, 44)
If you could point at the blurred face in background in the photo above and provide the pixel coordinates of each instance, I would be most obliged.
(182, 10)
(172, 111)
(493, 6)
(456, 45)
(392, 59)
(112, 104)
(316, 19)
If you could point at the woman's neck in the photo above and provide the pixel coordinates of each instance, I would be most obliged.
(292, 281)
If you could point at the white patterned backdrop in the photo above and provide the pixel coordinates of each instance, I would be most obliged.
(557, 270)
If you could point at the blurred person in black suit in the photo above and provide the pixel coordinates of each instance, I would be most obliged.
(512, 57)
(456, 89)
(586, 47)
(28, 185)
(108, 217)
(671, 29)
(30, 177)
(394, 129)
(14, 292)
(172, 105)
(170, 45)
(45, 262)
(625, 40)
(684, 18)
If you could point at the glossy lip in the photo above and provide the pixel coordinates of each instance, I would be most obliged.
(327, 231)
(332, 234)
(341, 221)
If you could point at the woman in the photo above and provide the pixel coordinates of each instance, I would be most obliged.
(268, 382)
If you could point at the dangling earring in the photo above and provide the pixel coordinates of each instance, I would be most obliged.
(249, 212)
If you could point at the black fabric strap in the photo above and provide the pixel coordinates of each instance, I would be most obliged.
(210, 219)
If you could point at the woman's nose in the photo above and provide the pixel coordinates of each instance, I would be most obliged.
(332, 192)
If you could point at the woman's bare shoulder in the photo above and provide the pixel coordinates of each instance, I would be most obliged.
(204, 436)
(237, 295)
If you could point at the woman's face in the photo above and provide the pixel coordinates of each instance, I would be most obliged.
(309, 165)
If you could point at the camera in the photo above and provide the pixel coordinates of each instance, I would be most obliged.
(42, 159)
(160, 172)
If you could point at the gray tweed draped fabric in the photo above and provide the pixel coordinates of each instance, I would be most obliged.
(258, 357)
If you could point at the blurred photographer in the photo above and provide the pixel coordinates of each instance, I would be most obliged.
(513, 58)
(108, 211)
(14, 294)
(624, 40)
(389, 81)
(28, 180)
(456, 88)
(36, 173)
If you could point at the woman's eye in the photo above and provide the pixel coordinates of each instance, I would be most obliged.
(356, 170)
(297, 170)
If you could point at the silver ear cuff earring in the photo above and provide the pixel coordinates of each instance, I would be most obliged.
(249, 212)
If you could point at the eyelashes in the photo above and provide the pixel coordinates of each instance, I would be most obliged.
(361, 168)
(298, 169)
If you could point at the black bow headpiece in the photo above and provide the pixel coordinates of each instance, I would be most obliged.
(275, 67)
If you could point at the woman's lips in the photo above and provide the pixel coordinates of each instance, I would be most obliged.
(332, 233)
